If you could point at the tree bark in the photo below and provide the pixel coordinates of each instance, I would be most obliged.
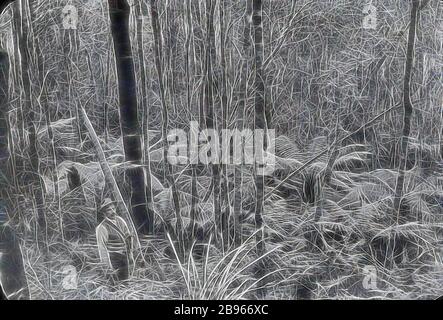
(189, 83)
(145, 113)
(241, 114)
(129, 124)
(259, 123)
(224, 195)
(260, 117)
(407, 106)
(165, 117)
(210, 107)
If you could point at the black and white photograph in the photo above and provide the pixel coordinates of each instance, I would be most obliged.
(221, 150)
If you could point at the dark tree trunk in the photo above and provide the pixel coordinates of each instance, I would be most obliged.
(407, 106)
(119, 13)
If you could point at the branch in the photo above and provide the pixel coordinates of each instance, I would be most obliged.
(109, 177)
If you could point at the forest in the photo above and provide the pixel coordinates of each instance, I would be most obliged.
(221, 149)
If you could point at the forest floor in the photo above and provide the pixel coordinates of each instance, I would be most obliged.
(348, 245)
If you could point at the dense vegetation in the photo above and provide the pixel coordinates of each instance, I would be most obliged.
(353, 209)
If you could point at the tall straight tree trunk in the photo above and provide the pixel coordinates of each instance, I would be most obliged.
(241, 113)
(170, 53)
(200, 56)
(407, 106)
(144, 112)
(129, 124)
(189, 82)
(165, 117)
(260, 117)
(224, 195)
(259, 123)
(210, 106)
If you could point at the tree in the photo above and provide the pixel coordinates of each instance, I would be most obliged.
(165, 115)
(241, 112)
(259, 123)
(224, 195)
(210, 119)
(188, 71)
(144, 113)
(260, 116)
(119, 14)
(407, 106)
